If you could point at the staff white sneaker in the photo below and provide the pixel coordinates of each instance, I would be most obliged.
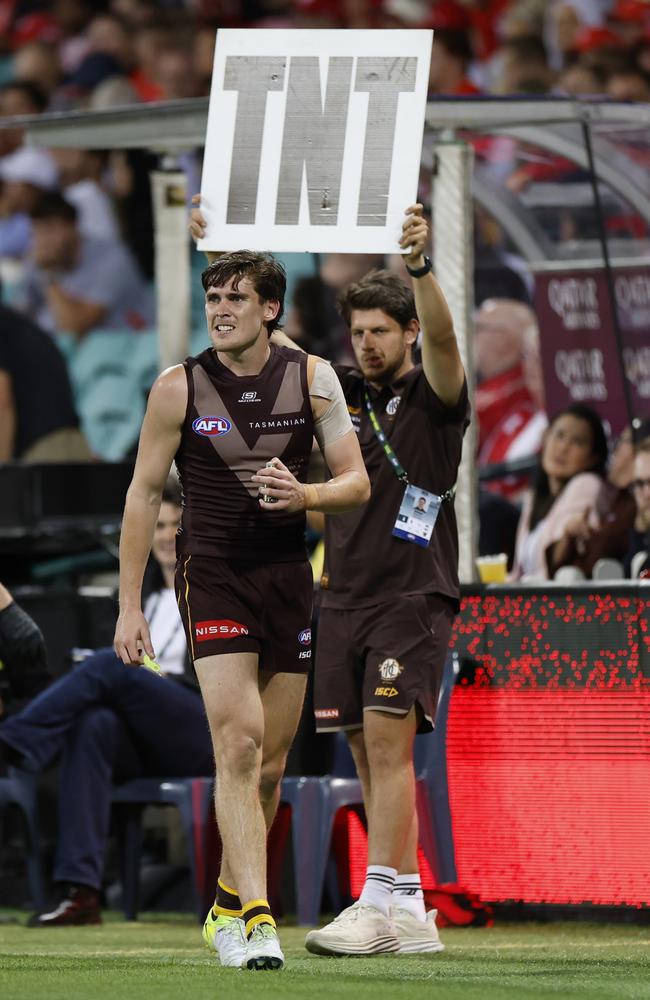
(226, 935)
(263, 949)
(358, 930)
(416, 935)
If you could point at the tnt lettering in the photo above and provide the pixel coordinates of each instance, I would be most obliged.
(315, 124)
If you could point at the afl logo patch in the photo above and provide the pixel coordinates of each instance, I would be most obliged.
(391, 406)
(305, 637)
(211, 426)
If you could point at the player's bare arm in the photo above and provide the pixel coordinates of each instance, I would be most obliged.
(441, 359)
(159, 440)
(349, 486)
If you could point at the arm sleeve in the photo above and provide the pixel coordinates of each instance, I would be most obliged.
(335, 422)
(23, 652)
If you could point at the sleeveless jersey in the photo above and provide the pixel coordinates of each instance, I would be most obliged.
(233, 425)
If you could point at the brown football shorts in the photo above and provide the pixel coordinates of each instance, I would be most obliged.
(233, 607)
(388, 658)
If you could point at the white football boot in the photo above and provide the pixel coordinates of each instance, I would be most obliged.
(416, 936)
(358, 930)
(227, 937)
(263, 949)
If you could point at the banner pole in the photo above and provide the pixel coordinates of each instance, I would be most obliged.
(609, 274)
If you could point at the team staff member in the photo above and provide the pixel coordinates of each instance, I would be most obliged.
(390, 583)
(243, 582)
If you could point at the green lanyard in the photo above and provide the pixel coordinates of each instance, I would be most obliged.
(400, 471)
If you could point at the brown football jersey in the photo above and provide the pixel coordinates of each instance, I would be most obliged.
(233, 426)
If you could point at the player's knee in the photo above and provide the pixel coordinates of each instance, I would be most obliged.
(238, 753)
(270, 778)
(384, 755)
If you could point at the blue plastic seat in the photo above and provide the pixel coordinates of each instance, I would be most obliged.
(19, 789)
(306, 799)
(144, 361)
(100, 352)
(111, 372)
(193, 799)
(111, 412)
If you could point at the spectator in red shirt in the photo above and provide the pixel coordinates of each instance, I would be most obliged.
(451, 54)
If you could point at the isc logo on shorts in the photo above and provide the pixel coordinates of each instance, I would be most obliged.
(211, 426)
(220, 628)
(386, 692)
(305, 637)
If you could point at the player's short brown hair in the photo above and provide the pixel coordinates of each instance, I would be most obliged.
(379, 289)
(267, 275)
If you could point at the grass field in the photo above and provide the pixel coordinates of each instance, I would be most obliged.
(162, 958)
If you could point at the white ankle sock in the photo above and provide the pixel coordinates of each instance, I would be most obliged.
(408, 895)
(378, 887)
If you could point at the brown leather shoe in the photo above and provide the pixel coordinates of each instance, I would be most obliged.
(81, 905)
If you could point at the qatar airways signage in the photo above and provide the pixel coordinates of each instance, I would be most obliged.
(579, 350)
(314, 139)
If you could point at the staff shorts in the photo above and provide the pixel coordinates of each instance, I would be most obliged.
(232, 607)
(385, 658)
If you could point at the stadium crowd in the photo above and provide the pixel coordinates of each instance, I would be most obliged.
(63, 211)
(82, 54)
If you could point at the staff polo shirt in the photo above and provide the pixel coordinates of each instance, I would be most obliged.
(365, 564)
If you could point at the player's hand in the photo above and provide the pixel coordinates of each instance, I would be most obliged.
(132, 638)
(415, 236)
(197, 224)
(282, 486)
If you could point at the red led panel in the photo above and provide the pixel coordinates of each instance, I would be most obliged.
(549, 793)
(358, 857)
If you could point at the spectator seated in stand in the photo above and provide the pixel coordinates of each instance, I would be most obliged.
(570, 479)
(18, 98)
(74, 284)
(451, 55)
(509, 393)
(112, 723)
(38, 418)
(80, 175)
(25, 175)
(606, 531)
(629, 83)
(38, 64)
(522, 66)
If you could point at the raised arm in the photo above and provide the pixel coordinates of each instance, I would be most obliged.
(441, 359)
(159, 440)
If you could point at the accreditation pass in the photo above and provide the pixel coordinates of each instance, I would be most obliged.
(417, 515)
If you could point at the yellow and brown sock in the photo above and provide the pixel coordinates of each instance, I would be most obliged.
(227, 902)
(256, 912)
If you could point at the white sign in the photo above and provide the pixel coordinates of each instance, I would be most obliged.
(314, 139)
